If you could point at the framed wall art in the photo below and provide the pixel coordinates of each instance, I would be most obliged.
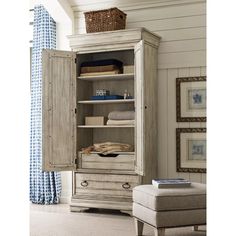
(191, 99)
(191, 150)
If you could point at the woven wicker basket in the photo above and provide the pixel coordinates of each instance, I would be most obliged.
(105, 20)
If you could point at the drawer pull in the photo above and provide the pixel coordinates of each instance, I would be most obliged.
(126, 185)
(84, 183)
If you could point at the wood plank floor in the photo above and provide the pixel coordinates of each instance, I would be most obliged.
(57, 220)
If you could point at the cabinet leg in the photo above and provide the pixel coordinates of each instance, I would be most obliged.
(195, 228)
(138, 227)
(78, 209)
(127, 212)
(159, 232)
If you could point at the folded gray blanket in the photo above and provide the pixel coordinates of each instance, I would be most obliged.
(121, 115)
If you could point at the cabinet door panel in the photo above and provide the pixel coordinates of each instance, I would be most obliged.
(150, 112)
(139, 106)
(59, 103)
(146, 109)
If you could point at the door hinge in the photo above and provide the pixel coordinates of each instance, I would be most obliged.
(75, 110)
(75, 60)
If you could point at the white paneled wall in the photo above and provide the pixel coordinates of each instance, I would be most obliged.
(182, 52)
(167, 121)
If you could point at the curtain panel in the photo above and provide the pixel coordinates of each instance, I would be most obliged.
(45, 187)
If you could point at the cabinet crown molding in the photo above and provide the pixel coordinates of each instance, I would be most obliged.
(121, 38)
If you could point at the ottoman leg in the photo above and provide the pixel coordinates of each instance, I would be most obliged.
(195, 228)
(138, 227)
(159, 232)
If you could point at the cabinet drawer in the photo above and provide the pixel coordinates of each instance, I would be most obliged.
(121, 161)
(105, 184)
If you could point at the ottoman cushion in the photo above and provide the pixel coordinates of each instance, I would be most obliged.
(169, 218)
(193, 197)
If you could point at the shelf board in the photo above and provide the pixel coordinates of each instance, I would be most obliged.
(107, 77)
(106, 101)
(105, 126)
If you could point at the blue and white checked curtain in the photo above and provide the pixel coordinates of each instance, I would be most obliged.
(45, 187)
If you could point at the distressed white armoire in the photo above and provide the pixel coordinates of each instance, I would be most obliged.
(101, 181)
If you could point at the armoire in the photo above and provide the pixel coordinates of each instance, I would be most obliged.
(101, 181)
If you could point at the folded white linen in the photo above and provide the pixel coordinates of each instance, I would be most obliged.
(120, 122)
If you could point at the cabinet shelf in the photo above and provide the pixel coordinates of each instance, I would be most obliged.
(107, 77)
(105, 126)
(106, 101)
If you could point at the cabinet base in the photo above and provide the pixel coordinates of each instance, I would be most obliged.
(78, 209)
(87, 209)
(81, 205)
(127, 212)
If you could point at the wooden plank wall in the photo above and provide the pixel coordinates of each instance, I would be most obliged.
(182, 52)
(167, 122)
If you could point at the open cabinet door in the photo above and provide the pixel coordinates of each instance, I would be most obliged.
(59, 107)
(139, 106)
(146, 109)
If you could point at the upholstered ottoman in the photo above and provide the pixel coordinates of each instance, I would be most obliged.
(169, 207)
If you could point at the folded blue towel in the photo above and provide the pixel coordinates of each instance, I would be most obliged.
(108, 97)
(102, 63)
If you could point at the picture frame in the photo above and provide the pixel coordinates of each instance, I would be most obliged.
(191, 99)
(191, 150)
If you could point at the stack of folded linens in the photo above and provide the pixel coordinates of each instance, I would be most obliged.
(101, 67)
(108, 147)
(121, 118)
